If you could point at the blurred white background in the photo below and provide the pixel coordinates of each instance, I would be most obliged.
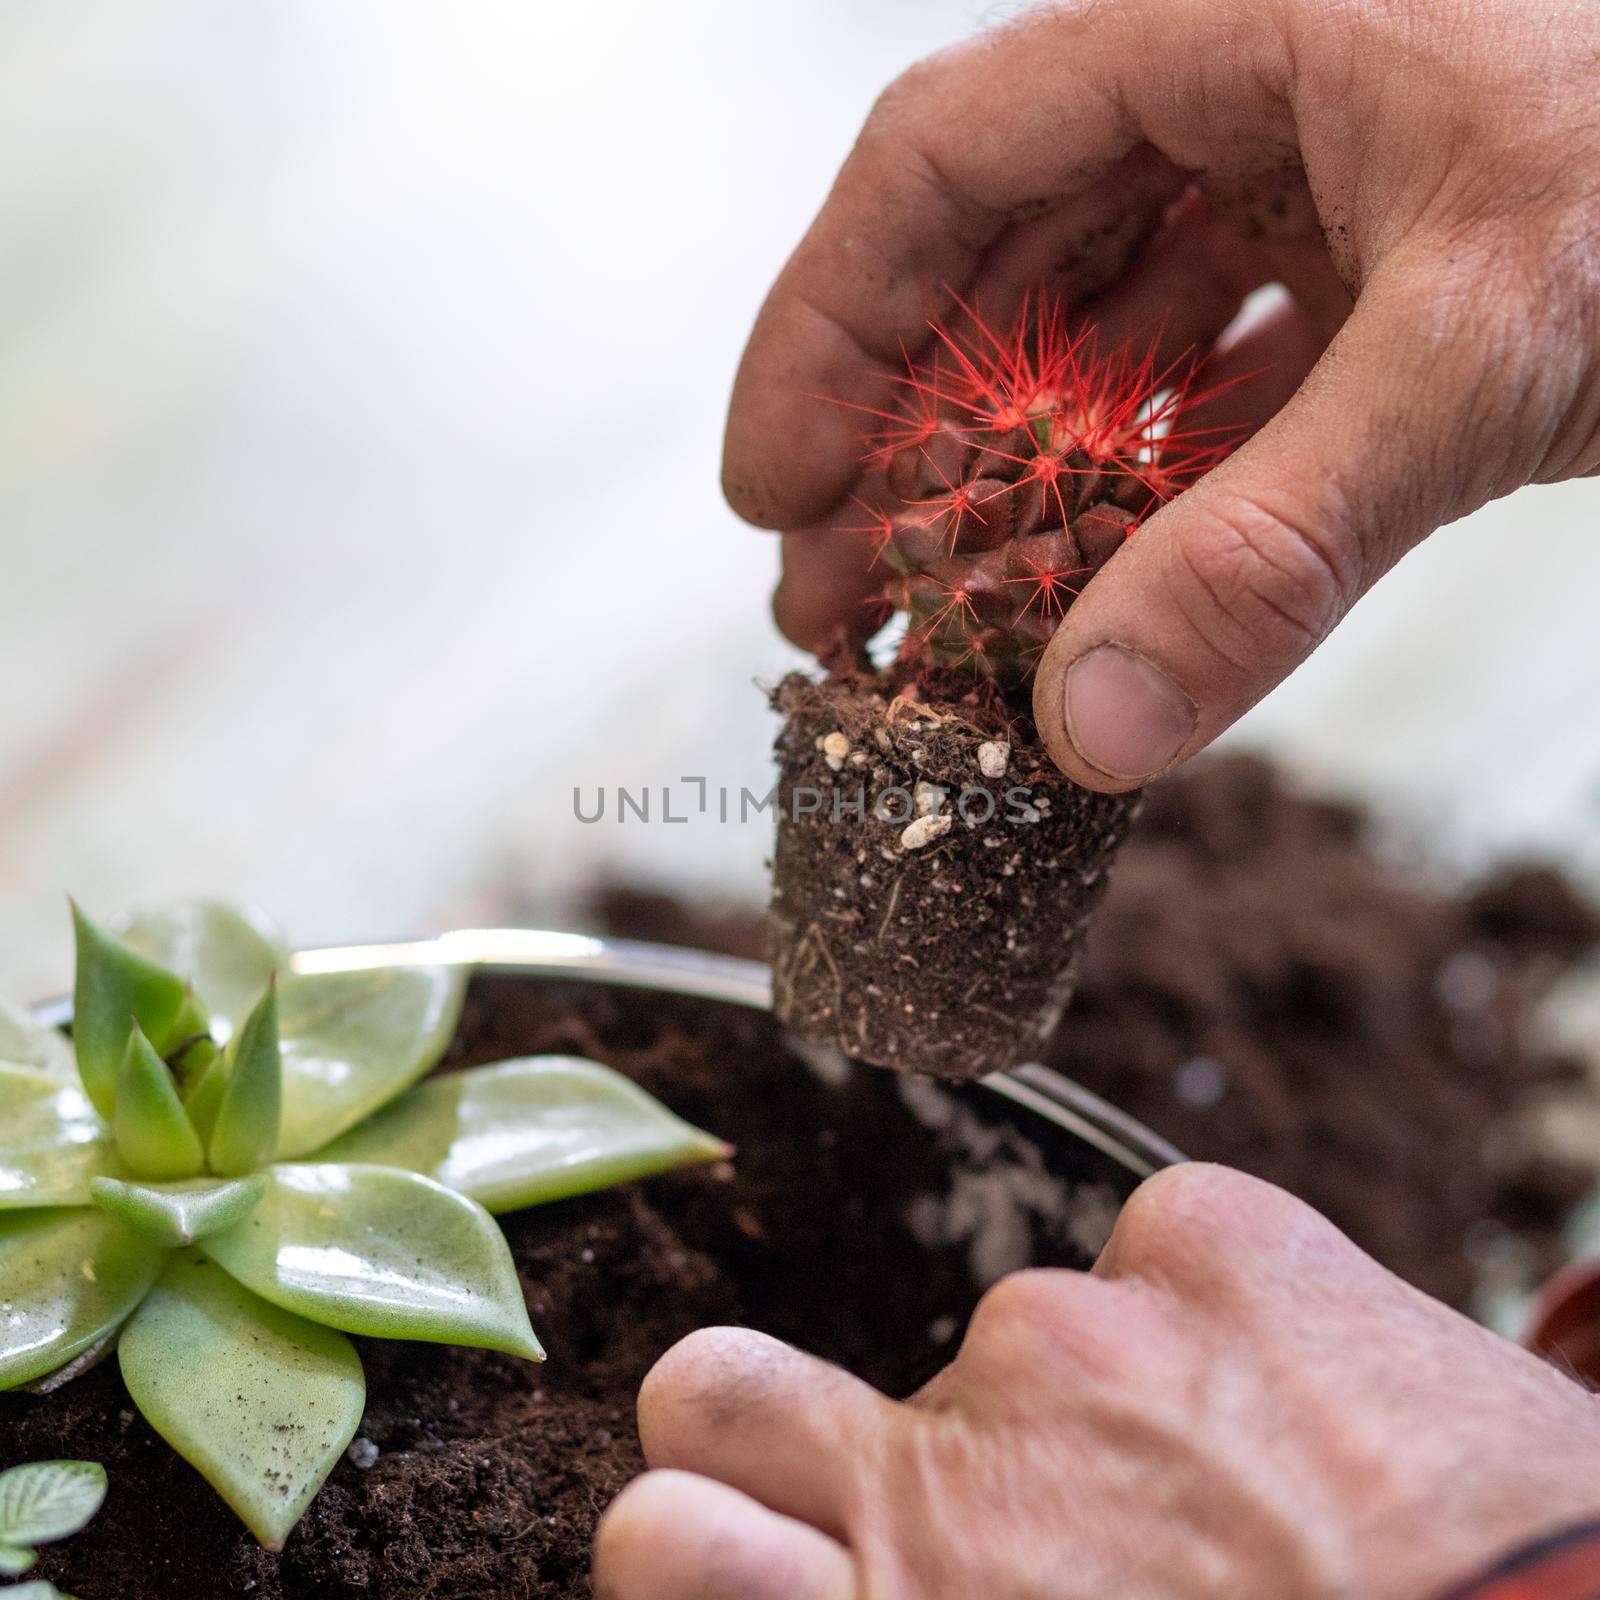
(361, 379)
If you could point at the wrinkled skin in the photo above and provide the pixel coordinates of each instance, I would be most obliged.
(1422, 175)
(1236, 1403)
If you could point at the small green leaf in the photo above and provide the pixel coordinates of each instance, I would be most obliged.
(378, 1251)
(353, 1040)
(67, 1278)
(250, 1106)
(154, 1134)
(38, 1589)
(14, 1561)
(522, 1132)
(26, 1043)
(52, 1141)
(48, 1500)
(173, 1214)
(261, 1401)
(113, 985)
(227, 952)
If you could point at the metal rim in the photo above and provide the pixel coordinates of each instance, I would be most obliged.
(702, 975)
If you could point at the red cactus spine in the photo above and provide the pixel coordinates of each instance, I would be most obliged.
(1015, 467)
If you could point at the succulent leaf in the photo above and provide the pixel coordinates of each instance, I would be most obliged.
(191, 1027)
(27, 1043)
(378, 1251)
(175, 1214)
(67, 1279)
(227, 952)
(352, 1041)
(113, 985)
(519, 1133)
(86, 1360)
(38, 1589)
(191, 1061)
(154, 1134)
(261, 1401)
(43, 1501)
(249, 1107)
(52, 1141)
(202, 1098)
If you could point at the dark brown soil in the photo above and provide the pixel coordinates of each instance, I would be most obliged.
(944, 943)
(1263, 986)
(1268, 988)
(1272, 991)
(479, 1477)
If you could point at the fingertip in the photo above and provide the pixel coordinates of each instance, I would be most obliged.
(748, 495)
(803, 396)
(676, 1536)
(827, 588)
(708, 1386)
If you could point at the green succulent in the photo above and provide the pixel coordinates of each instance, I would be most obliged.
(231, 1167)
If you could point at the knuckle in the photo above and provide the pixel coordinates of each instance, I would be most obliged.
(1188, 1215)
(1506, 318)
(1571, 363)
(1041, 1313)
(1262, 580)
(1025, 1303)
(901, 98)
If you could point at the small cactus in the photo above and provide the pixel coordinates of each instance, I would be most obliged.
(1015, 467)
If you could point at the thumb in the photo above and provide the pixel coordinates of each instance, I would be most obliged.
(1410, 419)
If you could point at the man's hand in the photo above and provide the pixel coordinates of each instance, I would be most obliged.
(1434, 163)
(1235, 1403)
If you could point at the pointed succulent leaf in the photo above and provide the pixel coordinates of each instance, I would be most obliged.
(14, 1561)
(382, 1252)
(155, 1137)
(192, 1023)
(52, 1142)
(174, 1214)
(353, 1040)
(38, 1589)
(191, 1061)
(43, 1501)
(203, 1097)
(227, 952)
(522, 1132)
(27, 1043)
(262, 1402)
(250, 1104)
(67, 1279)
(113, 985)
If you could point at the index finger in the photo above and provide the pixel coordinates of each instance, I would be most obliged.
(1027, 122)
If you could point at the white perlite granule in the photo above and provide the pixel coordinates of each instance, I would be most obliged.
(924, 831)
(994, 756)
